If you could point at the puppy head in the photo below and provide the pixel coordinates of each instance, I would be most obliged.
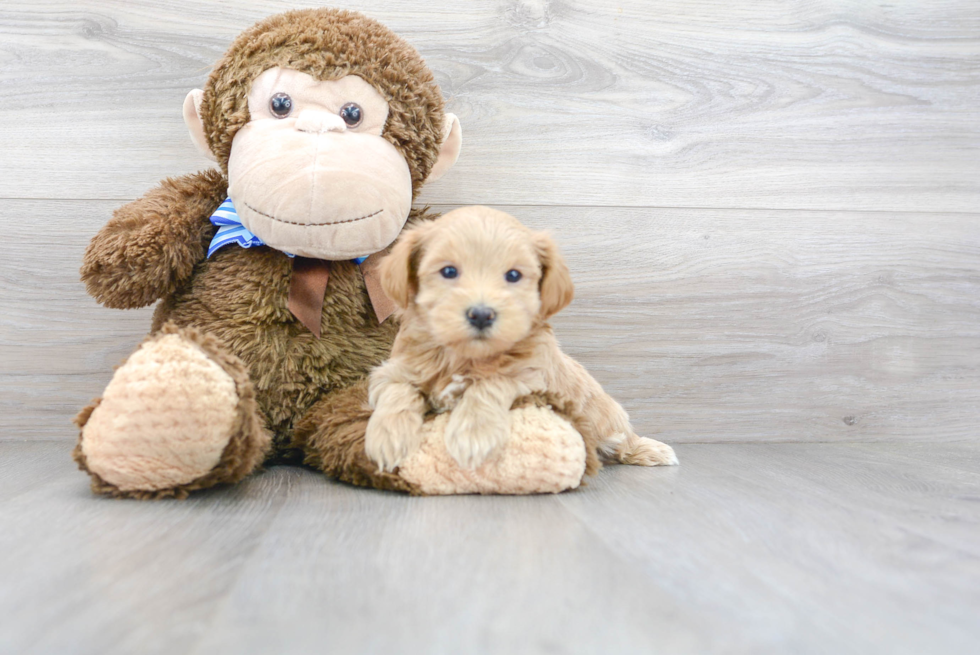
(477, 279)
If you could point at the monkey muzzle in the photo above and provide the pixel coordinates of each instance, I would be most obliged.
(326, 194)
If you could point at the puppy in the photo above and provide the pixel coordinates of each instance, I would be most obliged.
(475, 289)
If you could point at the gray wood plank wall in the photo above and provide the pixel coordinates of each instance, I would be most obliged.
(770, 209)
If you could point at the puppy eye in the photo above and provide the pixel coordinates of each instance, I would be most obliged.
(513, 275)
(280, 105)
(449, 272)
(352, 114)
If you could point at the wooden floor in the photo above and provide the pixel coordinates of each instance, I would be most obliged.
(744, 548)
(771, 211)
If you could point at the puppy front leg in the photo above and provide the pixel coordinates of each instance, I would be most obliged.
(480, 422)
(394, 430)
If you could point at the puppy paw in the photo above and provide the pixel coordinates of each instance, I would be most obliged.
(390, 438)
(643, 451)
(471, 437)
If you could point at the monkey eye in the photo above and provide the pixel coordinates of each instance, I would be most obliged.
(352, 114)
(513, 275)
(280, 105)
(448, 272)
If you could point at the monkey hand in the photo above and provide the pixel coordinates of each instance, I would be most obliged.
(151, 245)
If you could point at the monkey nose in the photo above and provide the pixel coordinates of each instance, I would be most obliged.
(317, 121)
(481, 317)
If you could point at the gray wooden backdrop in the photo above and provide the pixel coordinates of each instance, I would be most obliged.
(770, 208)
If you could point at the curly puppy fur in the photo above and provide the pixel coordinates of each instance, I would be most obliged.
(155, 248)
(475, 289)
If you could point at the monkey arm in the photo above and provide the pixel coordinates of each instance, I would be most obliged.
(545, 454)
(151, 245)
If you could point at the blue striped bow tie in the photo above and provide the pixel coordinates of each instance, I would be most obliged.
(231, 230)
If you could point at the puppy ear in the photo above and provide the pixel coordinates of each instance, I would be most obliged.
(556, 286)
(399, 277)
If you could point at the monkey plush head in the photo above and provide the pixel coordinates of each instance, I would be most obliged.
(326, 124)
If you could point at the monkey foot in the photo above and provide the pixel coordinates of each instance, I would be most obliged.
(178, 415)
(544, 454)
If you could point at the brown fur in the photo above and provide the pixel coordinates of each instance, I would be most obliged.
(442, 362)
(154, 248)
(151, 246)
(332, 437)
(249, 444)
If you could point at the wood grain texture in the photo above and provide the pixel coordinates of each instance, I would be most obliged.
(832, 104)
(744, 548)
(707, 325)
(819, 532)
(92, 575)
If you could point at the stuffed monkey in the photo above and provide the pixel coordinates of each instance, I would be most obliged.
(324, 126)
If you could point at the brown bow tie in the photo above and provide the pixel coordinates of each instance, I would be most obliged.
(309, 284)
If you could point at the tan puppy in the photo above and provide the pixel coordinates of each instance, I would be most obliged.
(475, 289)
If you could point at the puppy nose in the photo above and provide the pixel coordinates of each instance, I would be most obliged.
(481, 317)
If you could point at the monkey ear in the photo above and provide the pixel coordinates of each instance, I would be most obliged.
(192, 117)
(556, 286)
(398, 271)
(452, 142)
